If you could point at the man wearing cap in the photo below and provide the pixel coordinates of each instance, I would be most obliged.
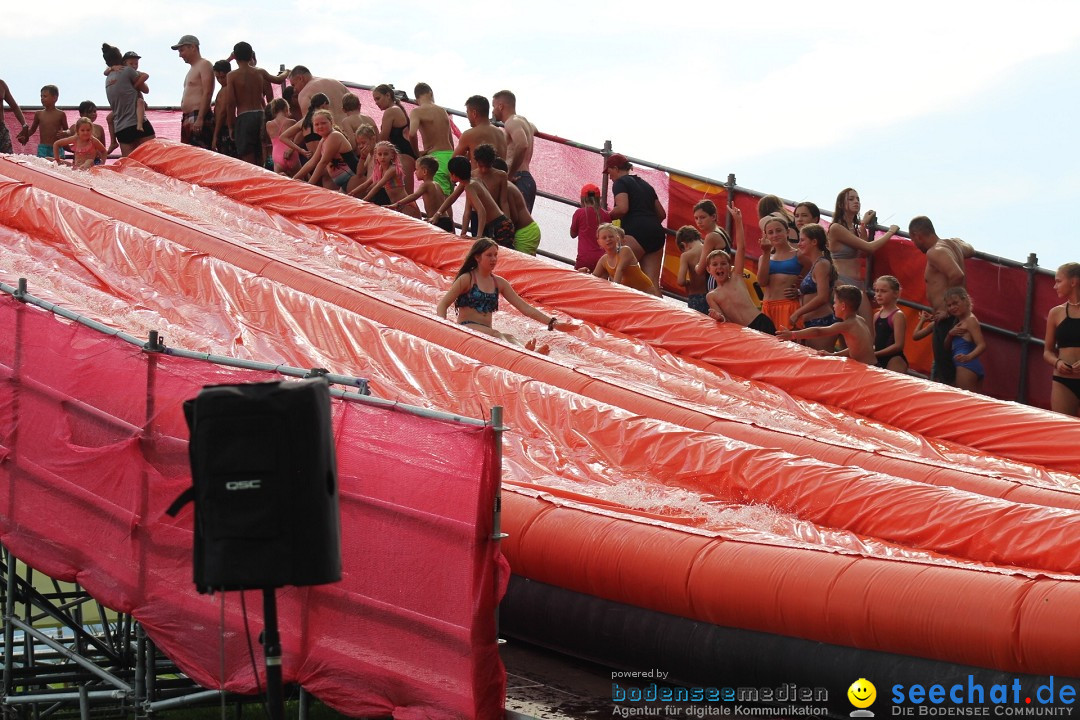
(481, 131)
(519, 143)
(197, 127)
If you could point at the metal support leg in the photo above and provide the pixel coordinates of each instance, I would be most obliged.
(275, 701)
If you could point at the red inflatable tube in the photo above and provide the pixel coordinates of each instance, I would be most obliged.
(1004, 621)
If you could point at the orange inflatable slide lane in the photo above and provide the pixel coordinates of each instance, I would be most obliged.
(1004, 429)
(830, 496)
(621, 554)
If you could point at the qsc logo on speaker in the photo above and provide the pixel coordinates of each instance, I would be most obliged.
(243, 485)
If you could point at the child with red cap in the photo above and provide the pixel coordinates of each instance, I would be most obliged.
(583, 226)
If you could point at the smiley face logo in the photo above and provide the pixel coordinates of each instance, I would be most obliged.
(862, 693)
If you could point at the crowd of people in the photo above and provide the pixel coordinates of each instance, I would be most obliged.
(810, 284)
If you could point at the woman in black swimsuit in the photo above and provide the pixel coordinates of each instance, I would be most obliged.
(1062, 348)
(642, 214)
(395, 128)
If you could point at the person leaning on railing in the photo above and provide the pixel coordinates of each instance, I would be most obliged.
(849, 238)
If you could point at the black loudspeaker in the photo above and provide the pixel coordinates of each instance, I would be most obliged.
(264, 478)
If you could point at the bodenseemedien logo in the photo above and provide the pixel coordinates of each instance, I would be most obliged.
(862, 694)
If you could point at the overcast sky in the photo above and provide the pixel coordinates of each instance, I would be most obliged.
(964, 112)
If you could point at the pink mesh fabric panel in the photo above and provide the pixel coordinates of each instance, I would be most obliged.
(93, 447)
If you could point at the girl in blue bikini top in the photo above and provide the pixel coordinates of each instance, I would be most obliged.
(476, 305)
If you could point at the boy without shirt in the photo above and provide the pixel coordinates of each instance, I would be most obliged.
(246, 118)
(430, 191)
(527, 230)
(852, 327)
(494, 180)
(350, 105)
(495, 225)
(432, 124)
(730, 300)
(223, 142)
(689, 241)
(131, 59)
(49, 122)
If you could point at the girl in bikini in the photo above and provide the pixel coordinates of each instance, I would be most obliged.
(850, 239)
(619, 263)
(394, 129)
(778, 271)
(816, 289)
(890, 325)
(475, 294)
(386, 185)
(85, 148)
(1062, 348)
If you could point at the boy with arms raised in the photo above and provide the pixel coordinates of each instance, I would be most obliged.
(852, 327)
(730, 300)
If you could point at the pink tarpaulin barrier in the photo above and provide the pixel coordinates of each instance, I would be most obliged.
(93, 448)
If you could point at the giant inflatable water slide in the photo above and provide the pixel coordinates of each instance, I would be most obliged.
(677, 493)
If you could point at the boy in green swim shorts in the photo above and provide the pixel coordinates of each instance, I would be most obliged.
(527, 235)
